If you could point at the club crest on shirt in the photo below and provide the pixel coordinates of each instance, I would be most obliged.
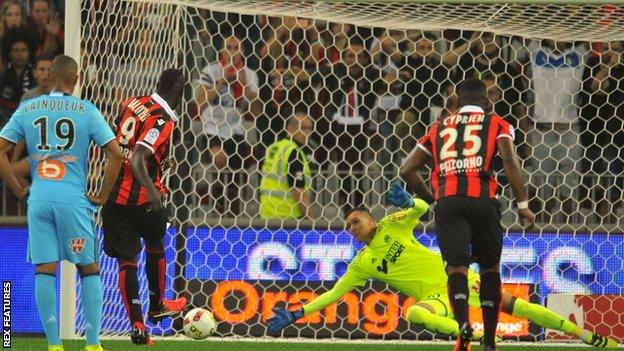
(152, 135)
(77, 245)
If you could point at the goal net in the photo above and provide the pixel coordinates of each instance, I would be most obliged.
(371, 76)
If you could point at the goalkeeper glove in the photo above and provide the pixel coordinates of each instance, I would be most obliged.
(283, 318)
(398, 197)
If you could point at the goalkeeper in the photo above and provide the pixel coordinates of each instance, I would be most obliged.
(393, 255)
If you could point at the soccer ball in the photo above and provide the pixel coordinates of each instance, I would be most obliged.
(199, 323)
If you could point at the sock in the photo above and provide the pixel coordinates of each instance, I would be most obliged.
(423, 317)
(129, 289)
(490, 295)
(45, 294)
(156, 269)
(544, 317)
(458, 296)
(92, 301)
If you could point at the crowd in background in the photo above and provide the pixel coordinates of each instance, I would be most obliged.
(371, 93)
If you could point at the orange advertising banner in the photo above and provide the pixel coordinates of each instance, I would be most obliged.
(373, 311)
(507, 325)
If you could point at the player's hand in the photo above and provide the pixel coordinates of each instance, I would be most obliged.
(155, 200)
(527, 218)
(21, 193)
(283, 318)
(399, 197)
(96, 200)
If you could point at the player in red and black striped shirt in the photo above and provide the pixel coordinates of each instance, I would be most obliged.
(135, 208)
(146, 122)
(467, 213)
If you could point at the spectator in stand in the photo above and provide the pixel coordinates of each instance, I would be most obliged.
(291, 45)
(136, 76)
(202, 48)
(48, 28)
(288, 65)
(603, 117)
(556, 69)
(393, 104)
(502, 107)
(226, 94)
(285, 189)
(16, 76)
(485, 55)
(335, 39)
(428, 85)
(13, 16)
(348, 98)
(385, 50)
(42, 77)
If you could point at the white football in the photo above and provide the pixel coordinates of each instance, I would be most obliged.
(199, 323)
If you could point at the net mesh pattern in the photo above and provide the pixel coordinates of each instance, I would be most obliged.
(371, 77)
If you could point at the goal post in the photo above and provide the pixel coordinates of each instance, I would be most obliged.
(68, 272)
(224, 257)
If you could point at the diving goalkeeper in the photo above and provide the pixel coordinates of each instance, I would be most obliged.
(393, 255)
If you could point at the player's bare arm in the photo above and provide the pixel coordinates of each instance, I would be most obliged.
(6, 171)
(304, 202)
(511, 165)
(113, 165)
(409, 172)
(155, 198)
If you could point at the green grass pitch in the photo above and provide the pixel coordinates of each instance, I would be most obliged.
(39, 343)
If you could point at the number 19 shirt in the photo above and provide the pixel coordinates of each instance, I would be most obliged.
(58, 129)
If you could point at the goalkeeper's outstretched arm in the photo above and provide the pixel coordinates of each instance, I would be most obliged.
(284, 317)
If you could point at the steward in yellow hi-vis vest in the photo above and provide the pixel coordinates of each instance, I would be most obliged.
(286, 175)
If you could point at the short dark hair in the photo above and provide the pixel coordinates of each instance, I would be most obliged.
(359, 209)
(167, 79)
(43, 57)
(472, 92)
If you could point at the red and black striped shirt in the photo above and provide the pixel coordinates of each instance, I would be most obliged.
(463, 146)
(149, 121)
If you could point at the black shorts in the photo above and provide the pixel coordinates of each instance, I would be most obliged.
(124, 226)
(469, 230)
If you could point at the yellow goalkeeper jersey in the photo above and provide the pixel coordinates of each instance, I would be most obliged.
(395, 257)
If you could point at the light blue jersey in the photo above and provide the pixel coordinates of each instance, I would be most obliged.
(58, 129)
